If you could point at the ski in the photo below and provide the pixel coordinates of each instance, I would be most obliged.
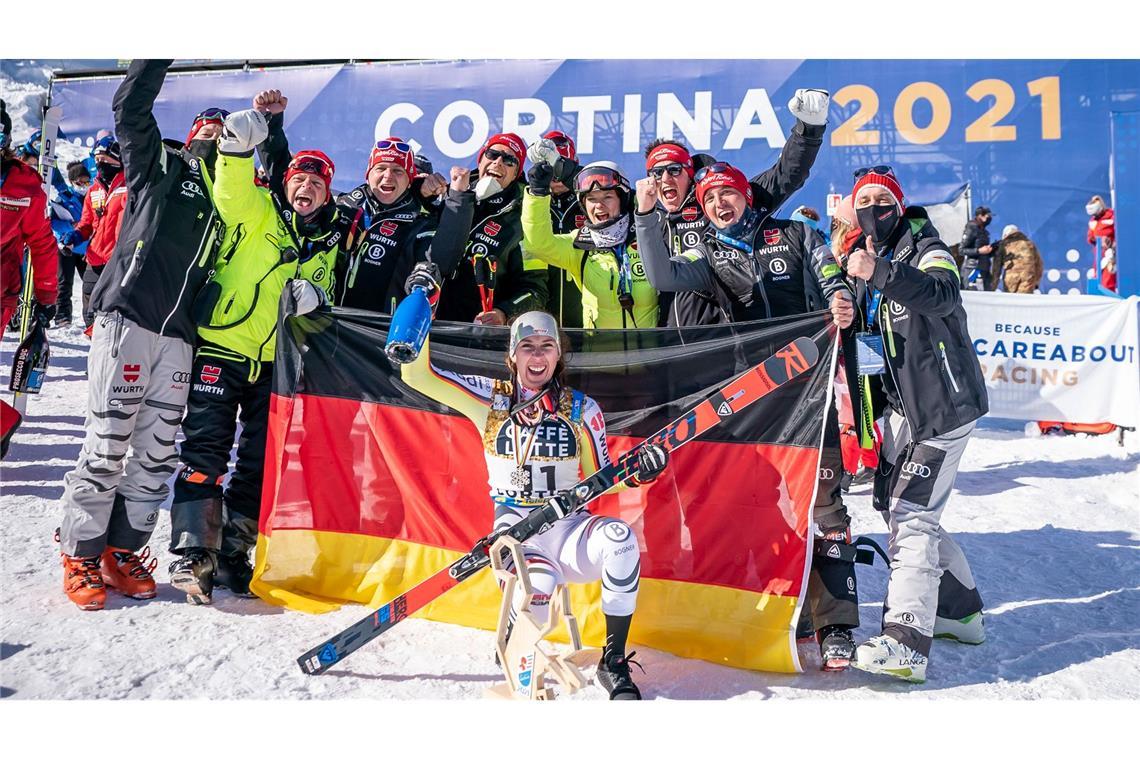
(785, 365)
(49, 132)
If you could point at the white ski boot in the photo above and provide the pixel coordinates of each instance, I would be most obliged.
(969, 630)
(882, 654)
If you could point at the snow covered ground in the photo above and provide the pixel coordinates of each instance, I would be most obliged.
(1051, 527)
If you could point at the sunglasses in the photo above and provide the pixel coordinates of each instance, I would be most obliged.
(673, 170)
(598, 178)
(882, 170)
(397, 145)
(508, 159)
(718, 168)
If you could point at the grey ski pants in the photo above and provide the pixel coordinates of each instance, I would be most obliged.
(137, 387)
(929, 572)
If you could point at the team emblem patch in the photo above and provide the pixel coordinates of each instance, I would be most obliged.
(131, 372)
(210, 373)
(690, 213)
(771, 237)
(492, 229)
(388, 228)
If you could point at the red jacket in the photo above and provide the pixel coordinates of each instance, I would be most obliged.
(24, 222)
(1103, 225)
(103, 214)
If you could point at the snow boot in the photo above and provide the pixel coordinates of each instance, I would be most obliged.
(885, 655)
(234, 572)
(193, 573)
(836, 648)
(614, 676)
(128, 573)
(82, 583)
(969, 630)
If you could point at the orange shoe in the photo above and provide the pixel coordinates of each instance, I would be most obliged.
(128, 573)
(82, 583)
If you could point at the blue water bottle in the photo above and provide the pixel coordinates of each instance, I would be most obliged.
(409, 328)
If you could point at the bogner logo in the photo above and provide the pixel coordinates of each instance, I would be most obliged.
(778, 266)
(916, 470)
(690, 213)
(388, 228)
(771, 237)
(492, 229)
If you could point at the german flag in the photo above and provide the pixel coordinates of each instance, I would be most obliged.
(371, 487)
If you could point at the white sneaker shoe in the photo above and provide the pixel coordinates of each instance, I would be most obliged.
(882, 654)
(969, 630)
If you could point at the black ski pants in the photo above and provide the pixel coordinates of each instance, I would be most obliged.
(225, 388)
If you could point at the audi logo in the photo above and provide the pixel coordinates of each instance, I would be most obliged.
(915, 469)
(826, 473)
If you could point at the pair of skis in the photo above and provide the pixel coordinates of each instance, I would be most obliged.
(785, 365)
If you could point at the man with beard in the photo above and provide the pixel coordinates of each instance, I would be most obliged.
(492, 281)
(141, 347)
(752, 268)
(672, 168)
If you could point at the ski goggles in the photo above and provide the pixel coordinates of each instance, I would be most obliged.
(673, 170)
(397, 145)
(882, 170)
(508, 159)
(599, 178)
(311, 164)
(212, 115)
(720, 167)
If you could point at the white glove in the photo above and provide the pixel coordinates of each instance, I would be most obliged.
(543, 151)
(486, 187)
(810, 106)
(242, 132)
(306, 296)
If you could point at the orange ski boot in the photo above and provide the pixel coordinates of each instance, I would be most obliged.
(82, 583)
(128, 573)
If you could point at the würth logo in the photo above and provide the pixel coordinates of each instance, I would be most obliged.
(131, 372)
(492, 229)
(771, 237)
(690, 213)
(210, 374)
(388, 228)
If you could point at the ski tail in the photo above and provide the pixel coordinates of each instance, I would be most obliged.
(782, 367)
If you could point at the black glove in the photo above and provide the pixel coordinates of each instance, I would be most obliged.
(44, 312)
(565, 169)
(538, 179)
(651, 462)
(424, 275)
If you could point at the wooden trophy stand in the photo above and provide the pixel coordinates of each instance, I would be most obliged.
(528, 660)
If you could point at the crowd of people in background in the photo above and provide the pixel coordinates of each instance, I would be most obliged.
(185, 248)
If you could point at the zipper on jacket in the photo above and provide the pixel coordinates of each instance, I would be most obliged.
(890, 331)
(894, 377)
(946, 363)
(131, 268)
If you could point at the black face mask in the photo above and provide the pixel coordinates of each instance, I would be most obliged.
(878, 222)
(107, 172)
(207, 150)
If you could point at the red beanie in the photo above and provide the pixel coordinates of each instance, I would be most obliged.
(563, 143)
(312, 162)
(888, 181)
(209, 116)
(509, 140)
(723, 175)
(671, 153)
(393, 150)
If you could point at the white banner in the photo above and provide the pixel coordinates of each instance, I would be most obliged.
(1070, 358)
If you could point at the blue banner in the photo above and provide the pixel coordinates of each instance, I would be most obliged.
(1031, 137)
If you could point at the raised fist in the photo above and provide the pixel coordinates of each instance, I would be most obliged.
(270, 102)
(646, 195)
(810, 106)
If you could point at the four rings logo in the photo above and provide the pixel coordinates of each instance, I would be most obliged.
(826, 473)
(191, 188)
(916, 470)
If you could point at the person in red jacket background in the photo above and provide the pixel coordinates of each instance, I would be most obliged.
(102, 216)
(23, 223)
(1102, 225)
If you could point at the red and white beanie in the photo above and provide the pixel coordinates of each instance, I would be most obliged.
(312, 162)
(729, 176)
(390, 154)
(563, 143)
(671, 153)
(509, 140)
(888, 181)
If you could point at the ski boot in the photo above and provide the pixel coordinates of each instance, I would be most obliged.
(82, 583)
(836, 648)
(193, 573)
(128, 573)
(969, 630)
(805, 629)
(234, 572)
(883, 654)
(613, 675)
